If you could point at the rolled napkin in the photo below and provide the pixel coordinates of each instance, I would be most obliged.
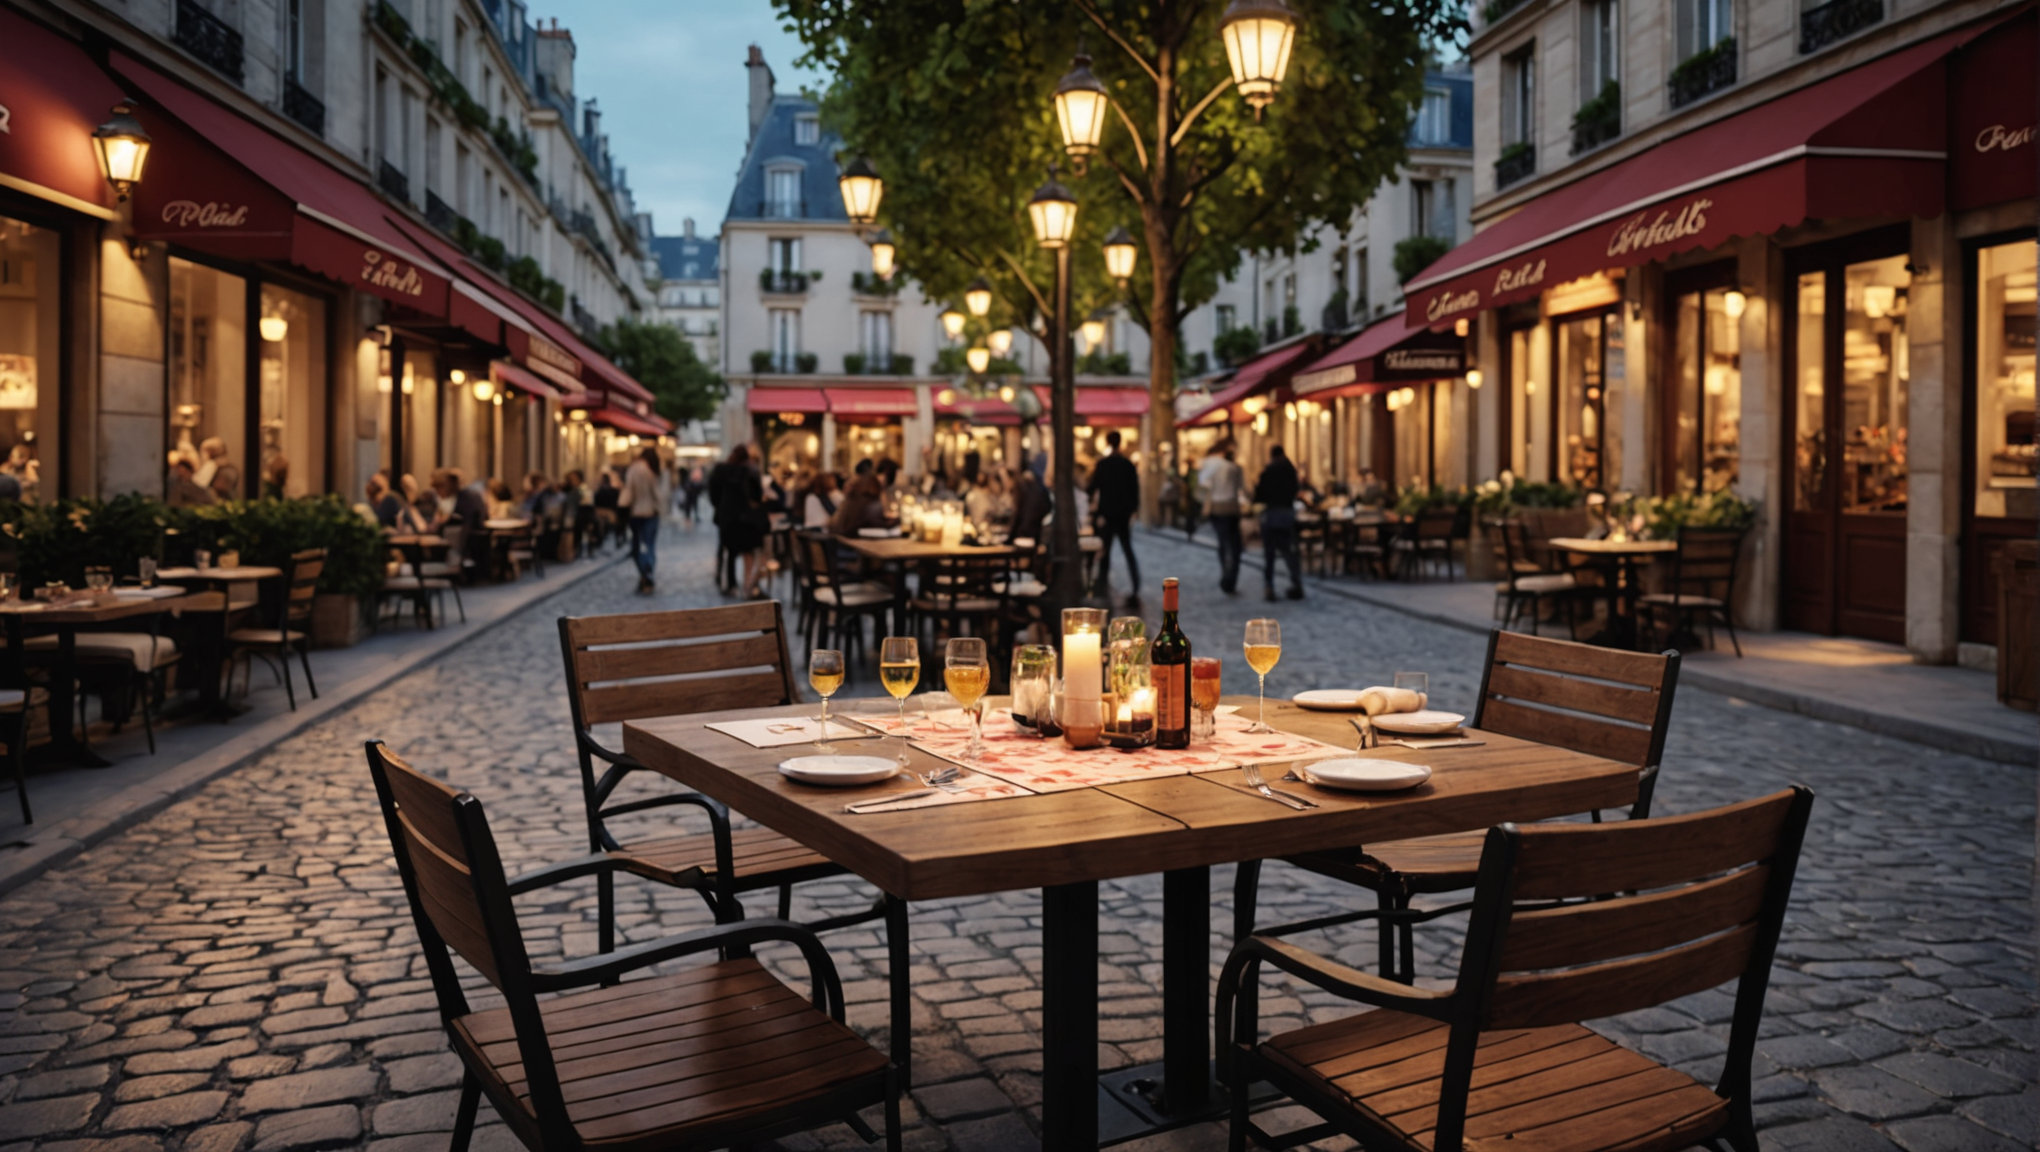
(1378, 700)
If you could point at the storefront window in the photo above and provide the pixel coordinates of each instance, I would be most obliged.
(2005, 462)
(209, 373)
(1876, 370)
(1584, 347)
(293, 392)
(874, 442)
(1529, 418)
(1707, 422)
(30, 264)
(1809, 435)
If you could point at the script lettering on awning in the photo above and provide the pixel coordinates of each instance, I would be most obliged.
(6, 120)
(1998, 138)
(1635, 235)
(547, 352)
(1510, 279)
(388, 272)
(211, 214)
(1446, 304)
(1420, 360)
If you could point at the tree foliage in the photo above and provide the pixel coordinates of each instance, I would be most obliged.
(683, 386)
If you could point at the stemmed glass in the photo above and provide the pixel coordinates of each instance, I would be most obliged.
(968, 674)
(899, 669)
(1418, 682)
(825, 675)
(1264, 648)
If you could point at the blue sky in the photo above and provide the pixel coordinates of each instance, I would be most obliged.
(669, 78)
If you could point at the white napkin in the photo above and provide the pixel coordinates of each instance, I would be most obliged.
(1378, 700)
(788, 730)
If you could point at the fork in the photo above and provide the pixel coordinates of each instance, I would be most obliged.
(943, 778)
(1254, 781)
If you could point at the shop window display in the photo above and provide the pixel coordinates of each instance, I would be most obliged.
(1876, 375)
(2005, 453)
(1707, 428)
(208, 373)
(1809, 435)
(292, 391)
(29, 268)
(1586, 346)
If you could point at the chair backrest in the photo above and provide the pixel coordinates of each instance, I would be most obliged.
(948, 579)
(1599, 701)
(642, 665)
(1436, 523)
(818, 558)
(1511, 546)
(1707, 558)
(302, 583)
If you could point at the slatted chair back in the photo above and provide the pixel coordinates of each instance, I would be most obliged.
(460, 903)
(1705, 563)
(962, 583)
(820, 557)
(1436, 523)
(641, 665)
(1512, 549)
(1598, 701)
(302, 583)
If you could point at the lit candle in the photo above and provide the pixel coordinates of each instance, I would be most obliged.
(1083, 671)
(1126, 714)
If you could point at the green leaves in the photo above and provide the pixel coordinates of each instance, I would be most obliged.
(684, 388)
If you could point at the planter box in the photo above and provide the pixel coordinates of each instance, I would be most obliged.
(338, 621)
(1481, 563)
(2018, 662)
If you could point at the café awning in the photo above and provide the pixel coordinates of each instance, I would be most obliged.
(1263, 373)
(624, 420)
(978, 409)
(505, 373)
(486, 307)
(1105, 406)
(1868, 142)
(55, 96)
(808, 401)
(220, 183)
(855, 402)
(1388, 353)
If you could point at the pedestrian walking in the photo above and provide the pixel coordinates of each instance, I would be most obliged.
(640, 501)
(1275, 491)
(1222, 481)
(1115, 494)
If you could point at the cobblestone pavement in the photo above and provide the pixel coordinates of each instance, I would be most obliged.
(240, 971)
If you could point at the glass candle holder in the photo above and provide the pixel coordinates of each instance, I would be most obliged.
(1129, 685)
(1032, 684)
(1083, 653)
(1082, 721)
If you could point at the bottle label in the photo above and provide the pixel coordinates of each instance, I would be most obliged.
(1172, 697)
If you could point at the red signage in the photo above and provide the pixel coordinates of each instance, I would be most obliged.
(51, 98)
(1993, 109)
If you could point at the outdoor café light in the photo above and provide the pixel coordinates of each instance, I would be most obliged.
(1473, 378)
(1080, 104)
(1094, 333)
(1460, 327)
(457, 376)
(946, 397)
(1000, 342)
(1258, 36)
(1733, 303)
(497, 400)
(1054, 213)
(578, 415)
(952, 323)
(978, 297)
(882, 252)
(274, 328)
(979, 359)
(862, 190)
(123, 148)
(1006, 393)
(485, 390)
(1120, 254)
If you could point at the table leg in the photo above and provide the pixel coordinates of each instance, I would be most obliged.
(1186, 988)
(1069, 1016)
(65, 747)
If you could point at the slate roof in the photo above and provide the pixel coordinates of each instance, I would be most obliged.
(773, 145)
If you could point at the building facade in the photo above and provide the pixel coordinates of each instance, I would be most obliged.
(688, 287)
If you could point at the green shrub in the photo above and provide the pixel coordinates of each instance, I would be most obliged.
(761, 361)
(902, 365)
(853, 364)
(1416, 253)
(806, 362)
(1663, 516)
(1235, 347)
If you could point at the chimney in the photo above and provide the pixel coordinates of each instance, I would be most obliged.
(687, 227)
(591, 121)
(761, 87)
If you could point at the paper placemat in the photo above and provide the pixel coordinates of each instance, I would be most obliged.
(974, 788)
(787, 731)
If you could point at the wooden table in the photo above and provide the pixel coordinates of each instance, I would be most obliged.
(240, 586)
(65, 747)
(895, 553)
(1622, 557)
(1066, 842)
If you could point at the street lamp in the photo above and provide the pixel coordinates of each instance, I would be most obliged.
(1054, 214)
(1120, 255)
(1000, 341)
(861, 190)
(1258, 36)
(882, 253)
(123, 148)
(978, 297)
(1094, 333)
(979, 358)
(485, 390)
(952, 322)
(1080, 104)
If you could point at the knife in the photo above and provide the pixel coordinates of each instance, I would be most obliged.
(878, 800)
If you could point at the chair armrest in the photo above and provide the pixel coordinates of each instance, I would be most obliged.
(594, 864)
(1345, 982)
(826, 994)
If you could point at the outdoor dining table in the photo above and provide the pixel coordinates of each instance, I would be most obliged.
(1619, 558)
(241, 587)
(22, 616)
(1066, 842)
(895, 553)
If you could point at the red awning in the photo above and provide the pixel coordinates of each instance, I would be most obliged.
(872, 401)
(1390, 351)
(624, 420)
(1123, 406)
(223, 184)
(1257, 375)
(1993, 116)
(504, 372)
(481, 304)
(806, 400)
(1868, 142)
(55, 96)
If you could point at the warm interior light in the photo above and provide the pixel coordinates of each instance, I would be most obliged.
(410, 381)
(1000, 342)
(882, 253)
(274, 328)
(1120, 254)
(1733, 303)
(1261, 423)
(1053, 212)
(1258, 35)
(946, 397)
(1325, 417)
(485, 390)
(497, 399)
(1473, 378)
(457, 376)
(123, 149)
(978, 297)
(1006, 393)
(1289, 412)
(383, 385)
(1879, 300)
(578, 415)
(862, 190)
(979, 359)
(1094, 333)
(1460, 327)
(952, 323)
(1080, 105)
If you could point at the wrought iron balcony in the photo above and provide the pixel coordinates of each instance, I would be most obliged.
(783, 209)
(1703, 74)
(300, 105)
(439, 213)
(1835, 21)
(1593, 132)
(393, 181)
(782, 283)
(1518, 161)
(209, 38)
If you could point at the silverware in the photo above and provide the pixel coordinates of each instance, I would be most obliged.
(1364, 725)
(943, 778)
(1254, 781)
(1423, 745)
(875, 801)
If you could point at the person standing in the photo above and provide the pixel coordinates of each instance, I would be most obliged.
(1222, 481)
(1115, 494)
(1275, 491)
(640, 501)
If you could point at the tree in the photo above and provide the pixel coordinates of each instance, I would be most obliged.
(683, 387)
(952, 101)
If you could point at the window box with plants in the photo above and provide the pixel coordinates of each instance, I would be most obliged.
(1599, 120)
(1703, 73)
(1516, 162)
(1413, 254)
(777, 282)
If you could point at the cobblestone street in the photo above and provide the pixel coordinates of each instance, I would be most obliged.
(240, 972)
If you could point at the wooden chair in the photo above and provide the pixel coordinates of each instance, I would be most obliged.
(831, 606)
(124, 669)
(1364, 550)
(1525, 585)
(1500, 1059)
(1703, 583)
(293, 624)
(719, 1054)
(963, 596)
(1427, 542)
(1597, 701)
(18, 698)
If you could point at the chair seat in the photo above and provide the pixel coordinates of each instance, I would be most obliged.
(1680, 600)
(1026, 587)
(955, 604)
(124, 647)
(852, 596)
(263, 636)
(12, 699)
(416, 584)
(1425, 864)
(757, 854)
(1556, 1089)
(658, 1063)
(1541, 584)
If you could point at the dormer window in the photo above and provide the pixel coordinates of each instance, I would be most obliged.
(807, 130)
(783, 193)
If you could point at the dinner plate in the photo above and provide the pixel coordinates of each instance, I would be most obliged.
(161, 592)
(839, 771)
(1328, 700)
(879, 533)
(1365, 774)
(1425, 723)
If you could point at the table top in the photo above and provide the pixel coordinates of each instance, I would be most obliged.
(224, 575)
(505, 525)
(1613, 547)
(414, 540)
(1125, 829)
(904, 549)
(99, 614)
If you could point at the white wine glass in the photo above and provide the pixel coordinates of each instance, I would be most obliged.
(1418, 682)
(825, 676)
(899, 669)
(968, 674)
(1264, 648)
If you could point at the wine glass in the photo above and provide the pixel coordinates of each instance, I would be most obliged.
(98, 578)
(1205, 677)
(1264, 648)
(1418, 682)
(10, 585)
(899, 669)
(968, 674)
(825, 675)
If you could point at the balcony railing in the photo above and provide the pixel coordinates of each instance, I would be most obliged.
(783, 209)
(439, 213)
(782, 283)
(1518, 161)
(1703, 74)
(393, 181)
(209, 38)
(1836, 20)
(300, 105)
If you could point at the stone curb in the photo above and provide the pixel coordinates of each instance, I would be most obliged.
(59, 842)
(1945, 738)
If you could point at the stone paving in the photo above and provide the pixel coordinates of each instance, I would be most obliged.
(240, 973)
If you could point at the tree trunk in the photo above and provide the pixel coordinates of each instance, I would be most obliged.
(1162, 336)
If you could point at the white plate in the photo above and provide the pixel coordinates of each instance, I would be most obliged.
(160, 592)
(879, 533)
(839, 771)
(1328, 700)
(1363, 774)
(1426, 723)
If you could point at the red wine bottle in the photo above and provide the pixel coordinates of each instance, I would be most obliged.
(1171, 656)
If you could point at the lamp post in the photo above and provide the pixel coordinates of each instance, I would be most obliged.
(123, 149)
(1053, 212)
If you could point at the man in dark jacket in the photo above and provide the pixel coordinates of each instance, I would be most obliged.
(1115, 498)
(1031, 505)
(1275, 491)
